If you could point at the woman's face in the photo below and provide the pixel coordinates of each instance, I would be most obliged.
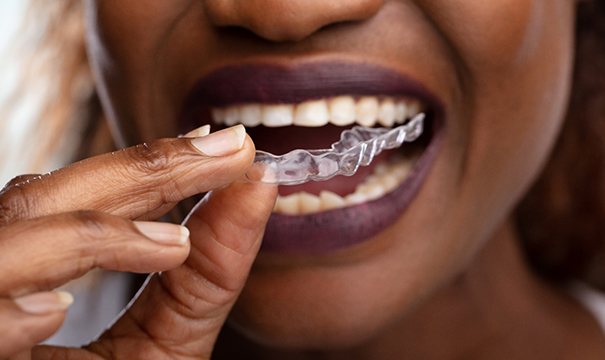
(494, 76)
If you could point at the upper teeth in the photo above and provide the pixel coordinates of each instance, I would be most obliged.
(340, 111)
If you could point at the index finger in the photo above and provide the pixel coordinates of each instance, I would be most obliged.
(147, 178)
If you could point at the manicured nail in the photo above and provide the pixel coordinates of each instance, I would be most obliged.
(164, 233)
(45, 302)
(199, 132)
(221, 143)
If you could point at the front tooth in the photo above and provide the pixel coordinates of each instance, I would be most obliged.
(413, 108)
(311, 113)
(330, 200)
(386, 113)
(371, 191)
(401, 170)
(250, 115)
(277, 115)
(355, 198)
(342, 110)
(232, 115)
(309, 203)
(401, 112)
(218, 116)
(366, 111)
(288, 205)
(389, 182)
(372, 179)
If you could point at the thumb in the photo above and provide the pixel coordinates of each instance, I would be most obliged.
(182, 311)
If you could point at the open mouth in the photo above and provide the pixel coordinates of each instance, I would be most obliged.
(308, 107)
(331, 116)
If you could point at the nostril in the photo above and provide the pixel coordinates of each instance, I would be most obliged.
(241, 33)
(282, 30)
(288, 20)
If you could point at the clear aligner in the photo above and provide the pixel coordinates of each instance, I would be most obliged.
(357, 147)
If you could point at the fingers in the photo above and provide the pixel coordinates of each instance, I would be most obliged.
(62, 247)
(30, 319)
(192, 301)
(148, 178)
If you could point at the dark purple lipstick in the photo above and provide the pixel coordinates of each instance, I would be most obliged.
(327, 231)
(278, 83)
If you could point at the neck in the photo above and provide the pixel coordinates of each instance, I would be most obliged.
(496, 309)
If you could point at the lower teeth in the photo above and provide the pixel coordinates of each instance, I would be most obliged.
(384, 179)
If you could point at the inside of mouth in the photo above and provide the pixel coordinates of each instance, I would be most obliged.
(283, 140)
(384, 174)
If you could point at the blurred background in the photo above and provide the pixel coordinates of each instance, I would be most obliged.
(22, 116)
(32, 65)
(10, 17)
(12, 132)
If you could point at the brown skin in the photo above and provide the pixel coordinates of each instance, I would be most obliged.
(48, 239)
(457, 290)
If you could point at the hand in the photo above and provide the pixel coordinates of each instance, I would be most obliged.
(56, 227)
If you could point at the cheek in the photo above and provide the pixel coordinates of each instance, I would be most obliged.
(514, 58)
(125, 43)
(495, 34)
(126, 32)
(517, 96)
(518, 109)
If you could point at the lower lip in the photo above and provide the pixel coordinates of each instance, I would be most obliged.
(330, 231)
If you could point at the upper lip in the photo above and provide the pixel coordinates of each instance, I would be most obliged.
(271, 83)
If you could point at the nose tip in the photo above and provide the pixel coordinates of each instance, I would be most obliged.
(288, 20)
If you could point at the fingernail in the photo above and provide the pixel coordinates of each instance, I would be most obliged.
(221, 143)
(199, 132)
(45, 302)
(164, 233)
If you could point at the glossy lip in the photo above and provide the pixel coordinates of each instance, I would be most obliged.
(325, 232)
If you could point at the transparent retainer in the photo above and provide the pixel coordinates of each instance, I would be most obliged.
(357, 147)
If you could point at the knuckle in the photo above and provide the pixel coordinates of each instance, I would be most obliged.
(157, 157)
(153, 166)
(91, 225)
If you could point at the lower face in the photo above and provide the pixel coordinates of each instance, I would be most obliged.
(343, 259)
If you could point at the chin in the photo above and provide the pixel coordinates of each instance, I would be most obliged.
(304, 326)
(320, 310)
